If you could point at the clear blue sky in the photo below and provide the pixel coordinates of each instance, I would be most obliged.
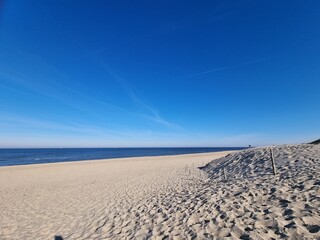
(159, 73)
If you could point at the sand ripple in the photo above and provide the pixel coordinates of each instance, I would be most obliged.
(167, 197)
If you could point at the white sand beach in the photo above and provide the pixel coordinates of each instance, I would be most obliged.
(166, 197)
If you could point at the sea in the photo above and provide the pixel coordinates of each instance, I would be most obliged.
(24, 156)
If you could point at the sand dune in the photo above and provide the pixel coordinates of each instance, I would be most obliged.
(166, 197)
(265, 206)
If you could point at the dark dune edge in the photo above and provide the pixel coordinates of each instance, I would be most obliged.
(316, 142)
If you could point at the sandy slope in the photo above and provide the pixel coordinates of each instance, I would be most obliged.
(259, 205)
(161, 198)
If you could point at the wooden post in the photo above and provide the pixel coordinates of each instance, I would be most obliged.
(224, 174)
(272, 162)
(189, 172)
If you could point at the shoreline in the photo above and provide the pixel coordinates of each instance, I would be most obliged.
(113, 159)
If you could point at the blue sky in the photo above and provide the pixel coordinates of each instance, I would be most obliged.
(159, 73)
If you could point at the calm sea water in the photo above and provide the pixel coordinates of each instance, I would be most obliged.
(33, 156)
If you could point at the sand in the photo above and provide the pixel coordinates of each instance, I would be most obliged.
(166, 197)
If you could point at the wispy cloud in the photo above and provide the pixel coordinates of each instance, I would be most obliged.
(24, 121)
(74, 134)
(154, 115)
(226, 67)
(216, 12)
(24, 87)
(50, 85)
(53, 88)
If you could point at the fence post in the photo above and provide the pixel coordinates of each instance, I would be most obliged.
(272, 161)
(224, 174)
